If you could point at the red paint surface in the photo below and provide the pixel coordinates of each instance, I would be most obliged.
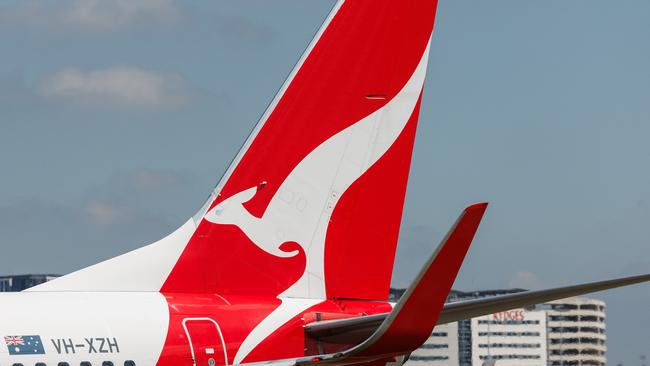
(237, 316)
(362, 235)
(206, 342)
(370, 47)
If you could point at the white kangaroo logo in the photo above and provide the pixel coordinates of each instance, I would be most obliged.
(301, 208)
(259, 231)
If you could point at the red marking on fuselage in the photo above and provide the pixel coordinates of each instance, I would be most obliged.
(237, 316)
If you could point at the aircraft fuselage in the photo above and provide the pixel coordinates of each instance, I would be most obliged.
(148, 328)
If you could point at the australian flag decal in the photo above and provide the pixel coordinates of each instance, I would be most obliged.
(24, 345)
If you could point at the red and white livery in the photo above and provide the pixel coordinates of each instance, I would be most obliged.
(290, 260)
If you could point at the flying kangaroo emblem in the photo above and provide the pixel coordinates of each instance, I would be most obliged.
(301, 208)
(260, 231)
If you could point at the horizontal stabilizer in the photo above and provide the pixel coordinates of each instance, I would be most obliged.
(356, 329)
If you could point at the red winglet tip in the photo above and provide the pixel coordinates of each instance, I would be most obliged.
(477, 209)
(477, 205)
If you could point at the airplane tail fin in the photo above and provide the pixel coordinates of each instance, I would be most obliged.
(311, 205)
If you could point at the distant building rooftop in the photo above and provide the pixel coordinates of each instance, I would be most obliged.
(455, 295)
(16, 283)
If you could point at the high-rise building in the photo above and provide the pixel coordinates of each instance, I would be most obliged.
(576, 332)
(569, 332)
(440, 349)
(511, 338)
(450, 344)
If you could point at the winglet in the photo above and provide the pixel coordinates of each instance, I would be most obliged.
(410, 323)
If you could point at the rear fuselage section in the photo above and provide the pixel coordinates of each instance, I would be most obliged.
(151, 328)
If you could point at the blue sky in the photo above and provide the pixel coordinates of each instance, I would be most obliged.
(117, 117)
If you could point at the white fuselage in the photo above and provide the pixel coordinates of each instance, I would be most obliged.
(77, 327)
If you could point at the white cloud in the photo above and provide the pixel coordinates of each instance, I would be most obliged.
(242, 28)
(115, 14)
(104, 214)
(118, 87)
(95, 15)
(150, 180)
(527, 280)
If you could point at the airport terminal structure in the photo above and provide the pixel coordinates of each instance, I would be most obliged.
(568, 332)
